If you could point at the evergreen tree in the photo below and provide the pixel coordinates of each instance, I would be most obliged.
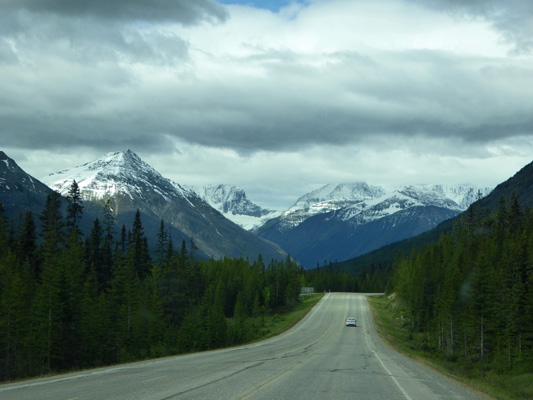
(69, 279)
(141, 255)
(125, 295)
(109, 221)
(51, 221)
(74, 207)
(98, 257)
(16, 293)
(4, 231)
(108, 243)
(162, 243)
(27, 244)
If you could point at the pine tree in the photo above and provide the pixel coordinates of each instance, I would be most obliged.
(74, 207)
(47, 303)
(4, 231)
(108, 243)
(215, 320)
(27, 244)
(70, 280)
(109, 221)
(16, 293)
(141, 255)
(51, 221)
(162, 243)
(124, 298)
(95, 255)
(153, 314)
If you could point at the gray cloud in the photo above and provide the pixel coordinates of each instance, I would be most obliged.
(180, 11)
(476, 100)
(92, 31)
(473, 100)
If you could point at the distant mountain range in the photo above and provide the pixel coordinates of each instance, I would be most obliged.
(338, 222)
(333, 223)
(132, 184)
(521, 185)
(342, 221)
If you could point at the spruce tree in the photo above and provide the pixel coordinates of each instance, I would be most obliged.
(74, 207)
(141, 255)
(27, 243)
(4, 231)
(51, 221)
(162, 243)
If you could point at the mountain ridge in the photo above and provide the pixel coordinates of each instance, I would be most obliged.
(19, 191)
(520, 184)
(232, 202)
(333, 216)
(346, 214)
(132, 184)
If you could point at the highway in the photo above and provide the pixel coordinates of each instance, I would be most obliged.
(320, 358)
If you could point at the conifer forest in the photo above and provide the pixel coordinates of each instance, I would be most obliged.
(70, 301)
(469, 297)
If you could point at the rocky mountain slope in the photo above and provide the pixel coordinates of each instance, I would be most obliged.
(132, 184)
(521, 185)
(333, 223)
(337, 222)
(232, 202)
(20, 192)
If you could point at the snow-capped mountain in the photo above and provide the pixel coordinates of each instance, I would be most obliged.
(132, 184)
(366, 203)
(340, 221)
(119, 174)
(232, 202)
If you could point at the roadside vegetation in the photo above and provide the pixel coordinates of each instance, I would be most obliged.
(465, 303)
(71, 302)
(389, 318)
(277, 324)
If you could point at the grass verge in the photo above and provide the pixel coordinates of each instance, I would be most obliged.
(275, 324)
(388, 318)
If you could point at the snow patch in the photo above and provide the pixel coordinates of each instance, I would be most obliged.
(116, 173)
(351, 201)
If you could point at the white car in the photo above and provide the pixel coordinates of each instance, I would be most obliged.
(351, 322)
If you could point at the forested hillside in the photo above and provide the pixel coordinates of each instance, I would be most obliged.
(70, 302)
(470, 295)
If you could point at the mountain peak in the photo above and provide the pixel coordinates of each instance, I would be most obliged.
(10, 172)
(232, 202)
(115, 161)
(342, 191)
(131, 184)
(117, 172)
(361, 201)
(7, 161)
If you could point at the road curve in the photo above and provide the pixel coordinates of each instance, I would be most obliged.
(319, 358)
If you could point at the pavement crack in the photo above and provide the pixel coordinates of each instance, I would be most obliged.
(213, 382)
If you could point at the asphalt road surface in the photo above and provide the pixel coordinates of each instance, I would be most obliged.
(320, 358)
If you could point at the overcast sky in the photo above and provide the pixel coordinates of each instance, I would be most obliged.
(278, 97)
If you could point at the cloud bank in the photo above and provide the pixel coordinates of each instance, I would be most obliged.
(418, 79)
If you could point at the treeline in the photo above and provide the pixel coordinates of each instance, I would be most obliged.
(470, 296)
(69, 301)
(374, 278)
